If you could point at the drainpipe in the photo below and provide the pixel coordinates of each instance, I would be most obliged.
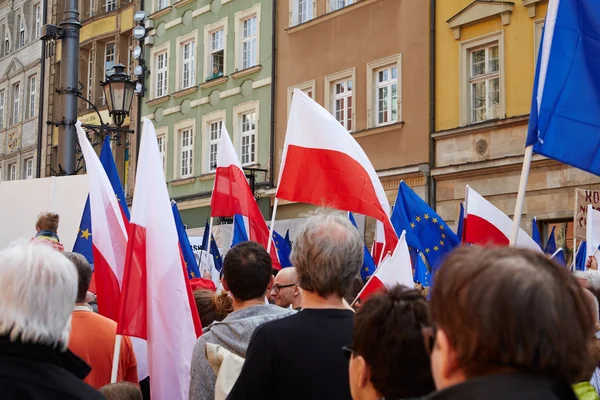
(273, 80)
(38, 167)
(431, 179)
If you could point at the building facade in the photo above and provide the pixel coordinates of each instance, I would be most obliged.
(484, 72)
(367, 62)
(210, 67)
(20, 55)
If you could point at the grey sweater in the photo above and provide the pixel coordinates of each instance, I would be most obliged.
(233, 333)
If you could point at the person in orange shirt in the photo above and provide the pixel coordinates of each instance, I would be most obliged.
(93, 336)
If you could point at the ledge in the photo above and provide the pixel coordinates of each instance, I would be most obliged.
(481, 126)
(246, 72)
(185, 92)
(531, 6)
(158, 100)
(160, 13)
(328, 16)
(214, 82)
(480, 10)
(184, 181)
(182, 3)
(207, 177)
(379, 129)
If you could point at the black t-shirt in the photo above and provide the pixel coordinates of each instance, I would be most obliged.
(298, 357)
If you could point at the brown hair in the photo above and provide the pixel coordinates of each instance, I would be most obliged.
(387, 334)
(47, 222)
(212, 307)
(512, 309)
(121, 391)
(84, 274)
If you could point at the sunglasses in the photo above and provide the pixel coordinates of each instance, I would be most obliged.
(429, 333)
(277, 288)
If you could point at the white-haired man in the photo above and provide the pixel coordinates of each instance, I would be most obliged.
(300, 357)
(38, 286)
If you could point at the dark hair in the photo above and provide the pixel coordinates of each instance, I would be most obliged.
(512, 309)
(121, 391)
(387, 334)
(84, 274)
(47, 222)
(247, 270)
(211, 306)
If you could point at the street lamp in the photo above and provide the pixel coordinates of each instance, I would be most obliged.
(118, 91)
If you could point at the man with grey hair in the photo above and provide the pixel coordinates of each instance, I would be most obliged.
(300, 357)
(38, 287)
(589, 280)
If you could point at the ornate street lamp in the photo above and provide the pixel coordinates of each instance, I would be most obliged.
(118, 91)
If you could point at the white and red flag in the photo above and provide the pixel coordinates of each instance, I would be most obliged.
(156, 301)
(109, 241)
(395, 269)
(232, 195)
(324, 165)
(487, 225)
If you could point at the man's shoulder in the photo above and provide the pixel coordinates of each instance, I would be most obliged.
(92, 321)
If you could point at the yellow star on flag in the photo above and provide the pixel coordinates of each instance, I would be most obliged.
(86, 234)
(418, 219)
(441, 242)
(427, 250)
(366, 269)
(412, 225)
(441, 227)
(426, 216)
(192, 274)
(434, 220)
(443, 236)
(436, 248)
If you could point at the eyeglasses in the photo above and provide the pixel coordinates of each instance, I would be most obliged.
(348, 351)
(429, 333)
(277, 288)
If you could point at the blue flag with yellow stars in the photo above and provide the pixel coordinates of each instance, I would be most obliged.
(283, 250)
(425, 230)
(368, 267)
(287, 238)
(422, 274)
(184, 243)
(214, 249)
(83, 243)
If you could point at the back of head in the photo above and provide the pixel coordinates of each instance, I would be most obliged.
(247, 271)
(121, 391)
(84, 274)
(38, 287)
(327, 254)
(212, 307)
(47, 222)
(388, 335)
(511, 309)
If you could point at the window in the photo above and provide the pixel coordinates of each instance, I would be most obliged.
(162, 148)
(111, 5)
(2, 99)
(162, 4)
(188, 74)
(90, 77)
(38, 20)
(32, 96)
(337, 4)
(217, 53)
(12, 172)
(214, 135)
(248, 138)
(187, 153)
(484, 83)
(386, 92)
(306, 87)
(21, 31)
(249, 58)
(16, 95)
(109, 58)
(161, 74)
(6, 41)
(28, 168)
(302, 11)
(92, 11)
(342, 102)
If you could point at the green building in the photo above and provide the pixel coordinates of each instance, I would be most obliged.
(210, 64)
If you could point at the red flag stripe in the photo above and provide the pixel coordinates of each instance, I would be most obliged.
(106, 286)
(482, 232)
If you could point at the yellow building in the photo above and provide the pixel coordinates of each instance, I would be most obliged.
(485, 53)
(105, 40)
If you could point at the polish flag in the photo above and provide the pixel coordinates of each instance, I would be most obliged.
(109, 241)
(157, 302)
(487, 225)
(232, 195)
(323, 165)
(394, 269)
(378, 243)
(592, 230)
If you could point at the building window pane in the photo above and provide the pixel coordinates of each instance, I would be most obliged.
(111, 5)
(248, 138)
(2, 100)
(32, 96)
(162, 4)
(161, 74)
(28, 168)
(187, 150)
(188, 74)
(38, 21)
(217, 53)
(337, 4)
(386, 99)
(484, 83)
(16, 100)
(249, 27)
(342, 102)
(21, 32)
(12, 172)
(90, 77)
(214, 135)
(162, 148)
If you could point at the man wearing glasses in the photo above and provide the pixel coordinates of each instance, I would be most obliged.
(285, 291)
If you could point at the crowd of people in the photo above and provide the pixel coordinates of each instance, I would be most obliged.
(501, 323)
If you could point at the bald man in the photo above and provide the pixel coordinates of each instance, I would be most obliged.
(285, 291)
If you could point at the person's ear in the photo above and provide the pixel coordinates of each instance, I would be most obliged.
(446, 370)
(224, 282)
(363, 371)
(296, 291)
(270, 285)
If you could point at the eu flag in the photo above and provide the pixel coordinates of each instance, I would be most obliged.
(581, 257)
(564, 122)
(283, 250)
(184, 242)
(83, 243)
(551, 243)
(214, 249)
(422, 274)
(425, 230)
(368, 267)
(535, 232)
(559, 257)
(240, 233)
(461, 222)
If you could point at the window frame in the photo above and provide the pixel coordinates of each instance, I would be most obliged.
(21, 27)
(372, 84)
(486, 77)
(208, 49)
(6, 40)
(2, 106)
(238, 135)
(330, 81)
(538, 29)
(16, 107)
(32, 100)
(28, 168)
(181, 41)
(162, 135)
(110, 5)
(311, 11)
(240, 17)
(37, 12)
(207, 120)
(332, 8)
(158, 5)
(12, 171)
(186, 151)
(154, 53)
(90, 78)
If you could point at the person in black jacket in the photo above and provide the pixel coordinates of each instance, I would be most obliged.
(38, 286)
(508, 324)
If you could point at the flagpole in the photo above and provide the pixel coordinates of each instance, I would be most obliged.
(207, 251)
(368, 280)
(116, 354)
(272, 228)
(521, 195)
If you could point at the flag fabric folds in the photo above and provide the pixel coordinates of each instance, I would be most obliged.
(184, 242)
(83, 243)
(535, 233)
(394, 270)
(422, 274)
(322, 164)
(232, 195)
(559, 257)
(283, 250)
(551, 243)
(564, 122)
(287, 237)
(581, 258)
(240, 231)
(592, 233)
(461, 222)
(157, 302)
(485, 224)
(425, 230)
(368, 267)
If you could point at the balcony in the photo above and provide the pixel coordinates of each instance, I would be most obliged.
(95, 8)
